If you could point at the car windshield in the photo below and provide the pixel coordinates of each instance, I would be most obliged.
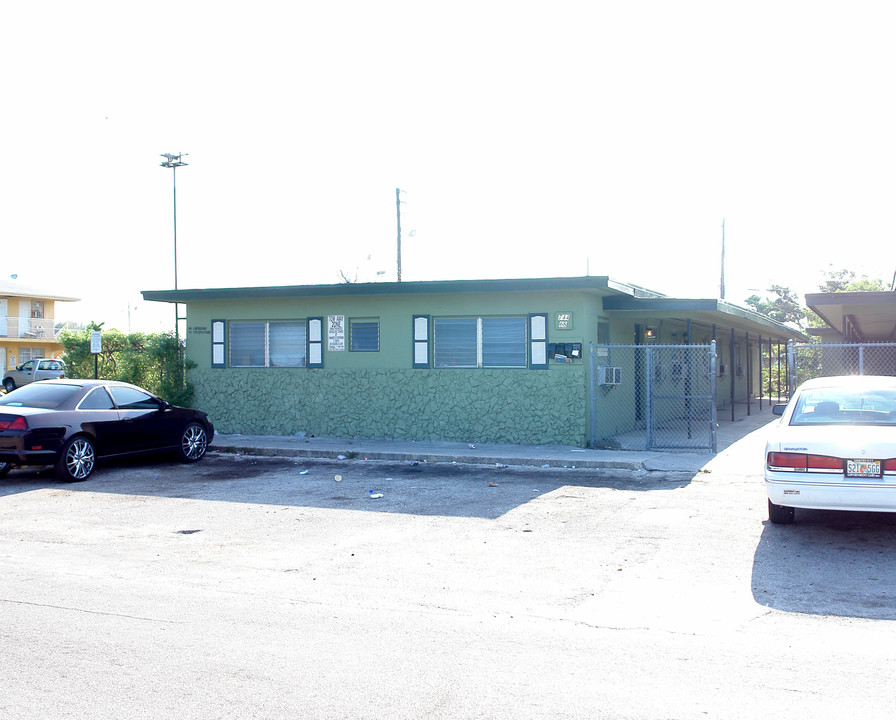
(40, 395)
(845, 406)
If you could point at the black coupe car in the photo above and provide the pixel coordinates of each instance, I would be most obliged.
(72, 423)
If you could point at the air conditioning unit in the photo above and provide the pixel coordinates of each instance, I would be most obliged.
(609, 375)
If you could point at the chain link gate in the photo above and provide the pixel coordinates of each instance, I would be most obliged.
(653, 397)
(807, 361)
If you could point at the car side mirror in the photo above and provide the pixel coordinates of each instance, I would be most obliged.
(778, 409)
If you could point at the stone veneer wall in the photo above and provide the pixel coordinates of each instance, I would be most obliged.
(499, 406)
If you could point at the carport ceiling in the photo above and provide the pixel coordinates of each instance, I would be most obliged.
(871, 315)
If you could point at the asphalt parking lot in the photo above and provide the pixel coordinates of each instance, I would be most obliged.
(278, 587)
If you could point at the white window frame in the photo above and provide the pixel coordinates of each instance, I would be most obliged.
(421, 351)
(219, 347)
(538, 341)
(314, 357)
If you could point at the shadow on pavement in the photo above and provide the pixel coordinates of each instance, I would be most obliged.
(829, 563)
(446, 489)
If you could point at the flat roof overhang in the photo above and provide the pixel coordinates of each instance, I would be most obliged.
(706, 311)
(8, 289)
(597, 284)
(865, 316)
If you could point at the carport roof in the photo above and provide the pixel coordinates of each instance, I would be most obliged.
(865, 316)
(709, 311)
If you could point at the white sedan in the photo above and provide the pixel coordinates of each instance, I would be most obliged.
(834, 448)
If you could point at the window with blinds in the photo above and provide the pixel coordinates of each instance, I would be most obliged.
(364, 335)
(267, 343)
(480, 342)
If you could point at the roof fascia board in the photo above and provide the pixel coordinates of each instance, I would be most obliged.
(37, 294)
(660, 304)
(886, 297)
(599, 284)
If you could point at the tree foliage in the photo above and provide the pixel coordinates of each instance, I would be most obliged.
(846, 281)
(152, 361)
(782, 306)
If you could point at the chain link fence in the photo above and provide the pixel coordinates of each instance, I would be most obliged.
(807, 361)
(774, 372)
(656, 397)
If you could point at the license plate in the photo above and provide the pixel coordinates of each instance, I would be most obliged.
(863, 468)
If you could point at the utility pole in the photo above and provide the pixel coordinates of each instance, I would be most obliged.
(398, 215)
(722, 283)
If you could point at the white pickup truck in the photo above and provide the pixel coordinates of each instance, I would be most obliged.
(28, 372)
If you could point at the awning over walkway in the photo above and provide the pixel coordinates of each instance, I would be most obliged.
(707, 311)
(857, 316)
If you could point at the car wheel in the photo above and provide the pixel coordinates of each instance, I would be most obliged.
(193, 443)
(5, 468)
(9, 384)
(779, 514)
(77, 459)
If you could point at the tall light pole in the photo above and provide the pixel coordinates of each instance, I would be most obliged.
(174, 162)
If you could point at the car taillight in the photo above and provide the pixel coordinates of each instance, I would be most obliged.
(787, 460)
(803, 463)
(889, 465)
(13, 423)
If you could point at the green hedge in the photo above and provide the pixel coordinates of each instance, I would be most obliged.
(154, 361)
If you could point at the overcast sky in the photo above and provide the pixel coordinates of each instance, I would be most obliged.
(531, 139)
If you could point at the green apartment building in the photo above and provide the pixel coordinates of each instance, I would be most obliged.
(530, 361)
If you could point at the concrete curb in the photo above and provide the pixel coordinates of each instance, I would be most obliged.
(637, 463)
(652, 464)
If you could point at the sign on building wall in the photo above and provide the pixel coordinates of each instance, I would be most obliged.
(336, 333)
(564, 321)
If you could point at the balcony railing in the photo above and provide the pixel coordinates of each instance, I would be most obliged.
(28, 328)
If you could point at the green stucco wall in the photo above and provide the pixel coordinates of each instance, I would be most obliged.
(500, 406)
(380, 395)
